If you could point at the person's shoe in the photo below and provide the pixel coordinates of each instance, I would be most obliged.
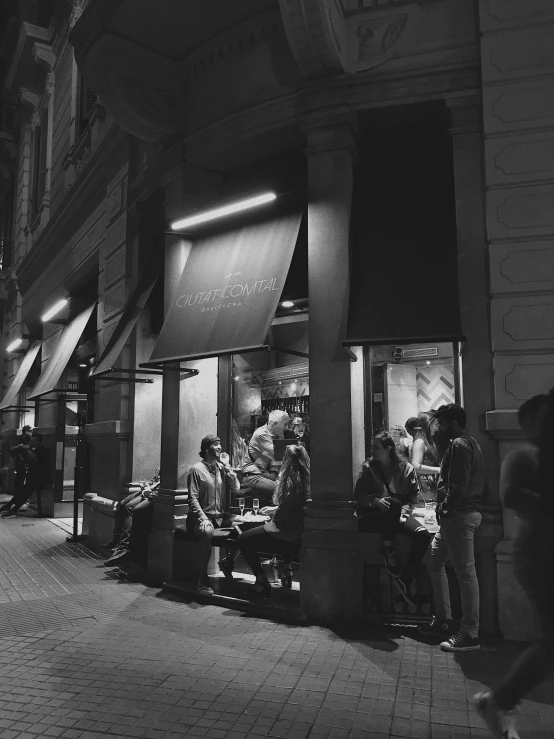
(117, 557)
(501, 723)
(5, 507)
(437, 627)
(391, 563)
(9, 513)
(226, 566)
(461, 642)
(204, 587)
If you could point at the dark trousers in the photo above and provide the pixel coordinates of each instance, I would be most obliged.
(251, 543)
(22, 495)
(389, 524)
(536, 662)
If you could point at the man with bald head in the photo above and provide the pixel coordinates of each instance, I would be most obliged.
(258, 465)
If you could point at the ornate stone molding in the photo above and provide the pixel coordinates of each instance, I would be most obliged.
(43, 55)
(76, 11)
(327, 133)
(316, 33)
(29, 99)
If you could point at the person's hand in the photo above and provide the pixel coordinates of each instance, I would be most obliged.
(267, 510)
(383, 504)
(224, 459)
(205, 526)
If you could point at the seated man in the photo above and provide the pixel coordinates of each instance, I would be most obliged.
(260, 473)
(208, 482)
(37, 473)
(136, 507)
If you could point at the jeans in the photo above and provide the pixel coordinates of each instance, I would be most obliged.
(536, 662)
(455, 540)
(252, 542)
(389, 524)
(261, 486)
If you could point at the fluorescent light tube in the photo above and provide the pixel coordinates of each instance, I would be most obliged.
(226, 210)
(11, 347)
(54, 310)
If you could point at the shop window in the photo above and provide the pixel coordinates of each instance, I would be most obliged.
(86, 101)
(403, 381)
(40, 147)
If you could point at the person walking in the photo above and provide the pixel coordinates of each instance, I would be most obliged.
(459, 504)
(526, 488)
(35, 458)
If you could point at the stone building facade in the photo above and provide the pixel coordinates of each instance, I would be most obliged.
(126, 123)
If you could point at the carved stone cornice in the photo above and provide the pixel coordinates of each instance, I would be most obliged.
(329, 132)
(43, 55)
(316, 33)
(29, 99)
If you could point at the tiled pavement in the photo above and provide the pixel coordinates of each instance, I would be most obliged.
(86, 653)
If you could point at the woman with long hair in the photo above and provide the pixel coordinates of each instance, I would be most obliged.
(283, 534)
(385, 493)
(423, 456)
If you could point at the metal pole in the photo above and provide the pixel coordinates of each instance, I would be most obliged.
(77, 477)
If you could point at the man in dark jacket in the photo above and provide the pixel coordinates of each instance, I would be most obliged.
(459, 493)
(35, 458)
(18, 453)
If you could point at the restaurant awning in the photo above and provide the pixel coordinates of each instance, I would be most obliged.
(229, 292)
(10, 398)
(62, 354)
(130, 316)
(403, 279)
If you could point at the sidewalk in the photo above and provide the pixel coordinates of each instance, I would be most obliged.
(87, 653)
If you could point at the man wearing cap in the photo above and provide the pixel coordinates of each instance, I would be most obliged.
(19, 455)
(208, 482)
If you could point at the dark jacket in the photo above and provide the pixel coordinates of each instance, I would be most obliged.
(288, 520)
(462, 478)
(38, 468)
(370, 485)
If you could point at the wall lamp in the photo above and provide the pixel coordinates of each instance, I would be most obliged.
(14, 345)
(54, 310)
(226, 210)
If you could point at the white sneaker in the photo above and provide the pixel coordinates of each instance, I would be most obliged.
(501, 723)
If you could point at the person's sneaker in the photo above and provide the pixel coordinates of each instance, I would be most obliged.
(204, 588)
(437, 627)
(5, 507)
(461, 642)
(117, 557)
(9, 514)
(391, 563)
(226, 566)
(501, 723)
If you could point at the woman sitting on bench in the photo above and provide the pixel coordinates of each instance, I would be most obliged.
(283, 534)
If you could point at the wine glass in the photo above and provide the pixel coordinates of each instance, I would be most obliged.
(241, 506)
(256, 506)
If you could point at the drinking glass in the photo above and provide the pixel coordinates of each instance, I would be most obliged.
(241, 506)
(256, 506)
(430, 513)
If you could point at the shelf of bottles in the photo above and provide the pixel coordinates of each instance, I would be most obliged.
(290, 405)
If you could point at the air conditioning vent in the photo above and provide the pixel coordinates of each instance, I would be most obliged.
(426, 352)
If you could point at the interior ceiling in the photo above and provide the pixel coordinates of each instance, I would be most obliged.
(175, 28)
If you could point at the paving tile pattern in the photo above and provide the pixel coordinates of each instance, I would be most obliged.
(85, 653)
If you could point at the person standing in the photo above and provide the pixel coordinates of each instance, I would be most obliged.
(522, 491)
(459, 505)
(17, 453)
(37, 470)
(208, 482)
(259, 474)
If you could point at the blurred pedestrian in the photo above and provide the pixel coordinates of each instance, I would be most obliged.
(526, 487)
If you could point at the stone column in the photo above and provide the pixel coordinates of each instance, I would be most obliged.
(171, 502)
(332, 578)
(518, 116)
(477, 372)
